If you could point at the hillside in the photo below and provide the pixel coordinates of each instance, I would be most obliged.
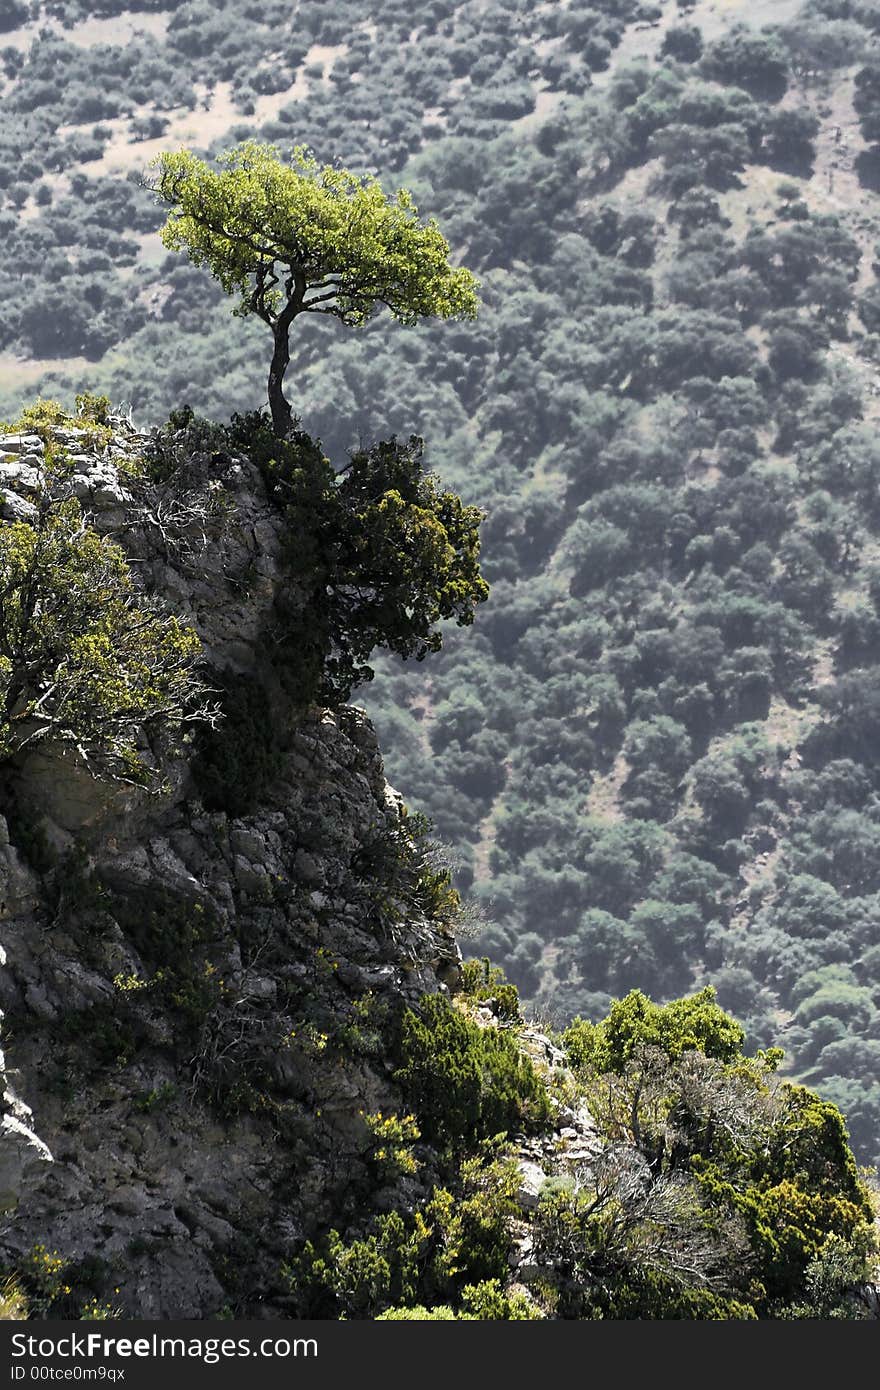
(655, 757)
(245, 1072)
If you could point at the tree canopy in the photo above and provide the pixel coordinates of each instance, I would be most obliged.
(295, 238)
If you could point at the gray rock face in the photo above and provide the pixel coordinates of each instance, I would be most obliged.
(20, 1149)
(185, 992)
(145, 1159)
(21, 444)
(532, 1179)
(14, 507)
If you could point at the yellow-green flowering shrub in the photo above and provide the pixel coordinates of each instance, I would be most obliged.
(86, 662)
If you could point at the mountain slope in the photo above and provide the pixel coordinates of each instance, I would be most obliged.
(655, 756)
(246, 1074)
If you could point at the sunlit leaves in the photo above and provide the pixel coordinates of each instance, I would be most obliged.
(86, 663)
(269, 230)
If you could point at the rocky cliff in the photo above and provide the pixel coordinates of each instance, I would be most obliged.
(191, 997)
(245, 1071)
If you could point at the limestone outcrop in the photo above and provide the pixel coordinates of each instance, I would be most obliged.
(190, 997)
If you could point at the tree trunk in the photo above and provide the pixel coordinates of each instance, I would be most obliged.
(282, 415)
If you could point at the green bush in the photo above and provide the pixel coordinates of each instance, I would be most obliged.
(736, 1181)
(485, 1302)
(443, 1313)
(693, 1023)
(454, 1248)
(648, 1294)
(88, 664)
(183, 435)
(380, 552)
(482, 981)
(466, 1082)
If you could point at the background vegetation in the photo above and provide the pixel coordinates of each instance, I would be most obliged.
(656, 753)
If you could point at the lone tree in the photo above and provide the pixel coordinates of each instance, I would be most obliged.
(295, 238)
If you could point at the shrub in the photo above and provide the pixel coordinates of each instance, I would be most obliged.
(683, 42)
(483, 1303)
(695, 1022)
(454, 1247)
(747, 59)
(12, 14)
(733, 1180)
(466, 1082)
(393, 1137)
(88, 664)
(379, 553)
(482, 981)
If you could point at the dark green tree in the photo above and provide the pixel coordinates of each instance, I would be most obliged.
(683, 42)
(12, 14)
(379, 555)
(753, 61)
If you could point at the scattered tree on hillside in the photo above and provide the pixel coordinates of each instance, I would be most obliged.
(12, 14)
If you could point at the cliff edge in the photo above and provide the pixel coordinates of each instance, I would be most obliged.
(190, 996)
(246, 1072)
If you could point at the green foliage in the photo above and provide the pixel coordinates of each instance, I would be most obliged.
(173, 445)
(454, 1247)
(789, 1225)
(484, 1302)
(830, 1279)
(683, 42)
(289, 238)
(466, 1082)
(867, 100)
(46, 1284)
(484, 982)
(750, 60)
(720, 1190)
(94, 408)
(410, 551)
(443, 1313)
(406, 876)
(41, 417)
(257, 222)
(87, 663)
(42, 1275)
(380, 554)
(692, 1023)
(487, 1302)
(44, 417)
(12, 14)
(393, 1137)
(157, 1097)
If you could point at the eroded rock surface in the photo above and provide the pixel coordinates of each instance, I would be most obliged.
(194, 1002)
